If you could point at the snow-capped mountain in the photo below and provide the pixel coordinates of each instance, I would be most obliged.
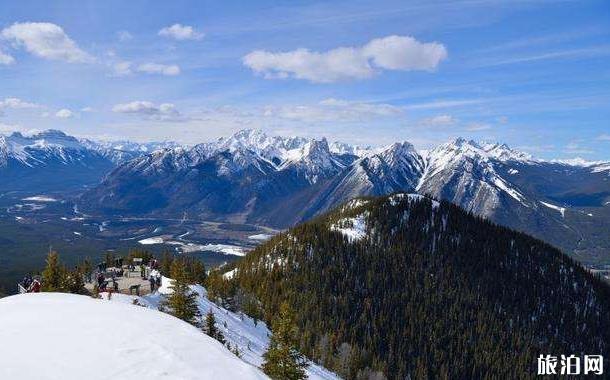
(253, 177)
(463, 172)
(52, 160)
(313, 160)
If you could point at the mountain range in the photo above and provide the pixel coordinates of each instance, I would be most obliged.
(251, 177)
(51, 160)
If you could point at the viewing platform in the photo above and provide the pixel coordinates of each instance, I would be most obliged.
(123, 280)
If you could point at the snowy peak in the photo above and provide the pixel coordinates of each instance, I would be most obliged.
(464, 172)
(354, 150)
(314, 160)
(253, 139)
(503, 152)
(481, 150)
(45, 140)
(402, 153)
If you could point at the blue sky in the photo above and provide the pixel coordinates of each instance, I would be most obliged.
(533, 74)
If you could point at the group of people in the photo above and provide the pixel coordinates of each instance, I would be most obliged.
(102, 283)
(31, 285)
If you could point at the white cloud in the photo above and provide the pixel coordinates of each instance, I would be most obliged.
(157, 68)
(181, 32)
(87, 109)
(45, 40)
(345, 63)
(334, 110)
(16, 103)
(124, 35)
(445, 104)
(404, 53)
(477, 127)
(64, 113)
(121, 69)
(149, 110)
(439, 121)
(6, 59)
(603, 137)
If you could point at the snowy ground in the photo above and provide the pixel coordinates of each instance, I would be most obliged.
(353, 228)
(260, 237)
(225, 249)
(69, 337)
(40, 198)
(561, 210)
(240, 329)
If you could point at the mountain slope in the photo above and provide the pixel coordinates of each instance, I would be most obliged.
(242, 332)
(54, 335)
(405, 285)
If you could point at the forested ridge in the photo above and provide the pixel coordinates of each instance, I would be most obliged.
(428, 291)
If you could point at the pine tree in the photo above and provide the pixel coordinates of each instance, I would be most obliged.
(182, 302)
(53, 275)
(282, 360)
(73, 281)
(86, 268)
(210, 324)
(210, 327)
(166, 263)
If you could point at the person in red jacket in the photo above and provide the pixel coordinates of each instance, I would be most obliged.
(35, 287)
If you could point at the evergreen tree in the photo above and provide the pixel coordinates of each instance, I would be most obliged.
(210, 324)
(86, 269)
(109, 259)
(211, 329)
(166, 263)
(182, 302)
(282, 360)
(196, 270)
(73, 281)
(53, 275)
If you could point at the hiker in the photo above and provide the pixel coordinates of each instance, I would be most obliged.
(34, 287)
(158, 279)
(27, 281)
(142, 271)
(101, 281)
(152, 281)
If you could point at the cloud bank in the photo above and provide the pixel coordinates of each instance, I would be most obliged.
(348, 63)
(149, 110)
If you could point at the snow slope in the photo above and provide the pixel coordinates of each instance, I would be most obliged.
(240, 330)
(71, 337)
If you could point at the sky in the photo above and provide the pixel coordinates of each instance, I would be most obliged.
(531, 74)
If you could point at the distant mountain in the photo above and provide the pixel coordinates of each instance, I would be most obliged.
(51, 160)
(280, 181)
(404, 286)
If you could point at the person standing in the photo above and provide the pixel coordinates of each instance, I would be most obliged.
(152, 282)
